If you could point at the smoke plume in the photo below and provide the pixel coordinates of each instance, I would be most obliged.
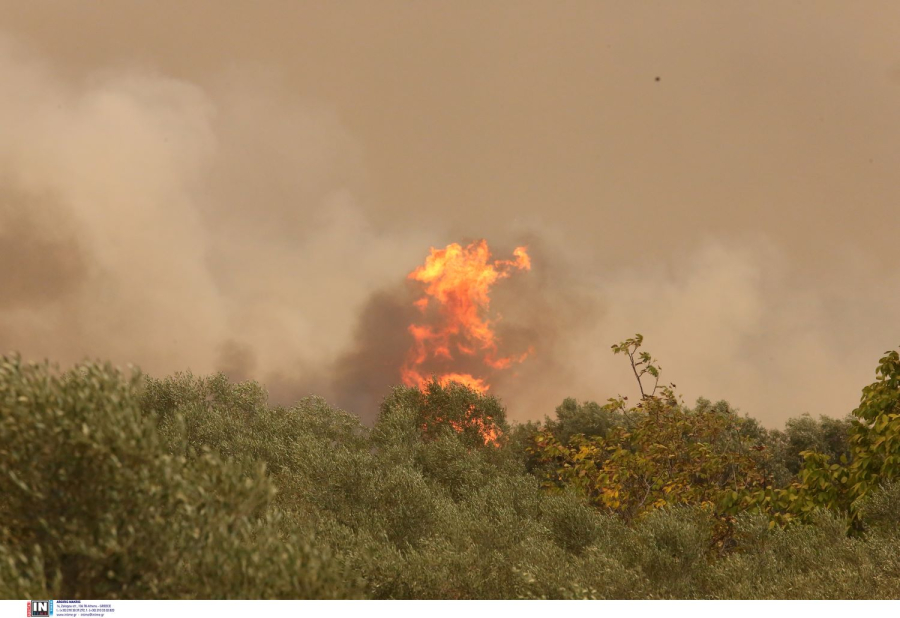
(231, 225)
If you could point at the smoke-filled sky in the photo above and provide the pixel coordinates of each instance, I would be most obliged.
(224, 185)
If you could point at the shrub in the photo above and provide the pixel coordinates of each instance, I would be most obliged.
(115, 485)
(106, 509)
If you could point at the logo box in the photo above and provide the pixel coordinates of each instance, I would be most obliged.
(40, 608)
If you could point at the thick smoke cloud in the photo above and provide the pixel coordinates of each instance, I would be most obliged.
(151, 221)
(739, 322)
(363, 374)
(231, 226)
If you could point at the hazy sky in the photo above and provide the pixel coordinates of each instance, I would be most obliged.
(244, 186)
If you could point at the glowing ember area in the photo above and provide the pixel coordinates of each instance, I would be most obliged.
(489, 432)
(456, 333)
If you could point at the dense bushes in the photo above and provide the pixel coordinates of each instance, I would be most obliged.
(96, 503)
(122, 486)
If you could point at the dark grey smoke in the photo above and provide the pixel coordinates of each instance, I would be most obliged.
(364, 373)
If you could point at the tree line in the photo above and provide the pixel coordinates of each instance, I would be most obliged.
(120, 485)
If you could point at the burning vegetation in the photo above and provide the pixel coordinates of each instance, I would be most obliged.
(456, 339)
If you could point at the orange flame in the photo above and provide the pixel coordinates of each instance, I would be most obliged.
(457, 284)
(489, 432)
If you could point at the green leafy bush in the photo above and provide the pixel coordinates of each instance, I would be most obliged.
(94, 497)
(117, 485)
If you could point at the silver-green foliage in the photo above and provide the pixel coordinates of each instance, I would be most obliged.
(95, 502)
(121, 486)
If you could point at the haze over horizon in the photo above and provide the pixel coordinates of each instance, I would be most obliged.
(226, 186)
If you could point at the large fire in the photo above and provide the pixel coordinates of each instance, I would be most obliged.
(457, 283)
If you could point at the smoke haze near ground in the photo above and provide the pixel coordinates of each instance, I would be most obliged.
(245, 189)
